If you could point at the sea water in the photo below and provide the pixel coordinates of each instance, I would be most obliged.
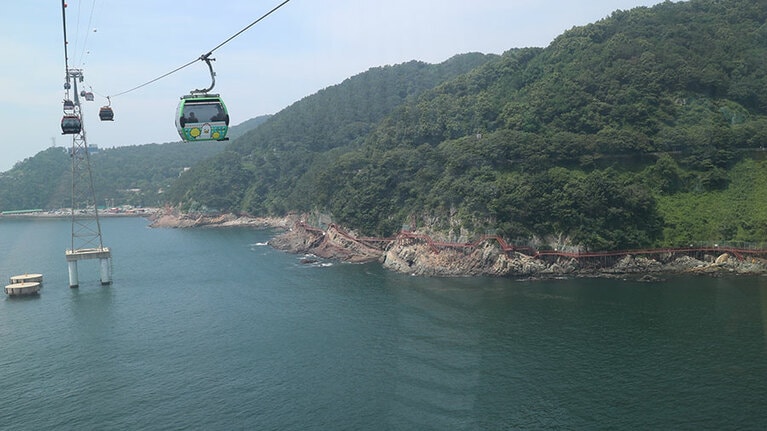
(212, 329)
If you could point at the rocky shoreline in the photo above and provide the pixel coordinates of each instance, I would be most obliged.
(411, 255)
(174, 219)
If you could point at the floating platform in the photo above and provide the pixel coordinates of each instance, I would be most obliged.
(27, 278)
(22, 289)
(88, 253)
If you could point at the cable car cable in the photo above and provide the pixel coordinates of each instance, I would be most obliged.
(156, 79)
(204, 57)
(64, 19)
(245, 29)
(87, 34)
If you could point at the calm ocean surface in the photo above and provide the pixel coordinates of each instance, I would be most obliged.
(210, 329)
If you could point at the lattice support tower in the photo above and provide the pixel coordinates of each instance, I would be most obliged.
(86, 241)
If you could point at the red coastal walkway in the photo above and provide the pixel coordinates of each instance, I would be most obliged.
(698, 251)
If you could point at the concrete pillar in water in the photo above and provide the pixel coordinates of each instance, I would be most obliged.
(73, 280)
(106, 272)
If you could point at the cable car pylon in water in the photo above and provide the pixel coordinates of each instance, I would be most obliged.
(201, 115)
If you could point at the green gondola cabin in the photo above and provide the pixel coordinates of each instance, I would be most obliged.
(202, 117)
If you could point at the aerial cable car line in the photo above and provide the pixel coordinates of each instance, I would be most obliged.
(86, 229)
(206, 55)
(200, 115)
(71, 123)
(87, 33)
(64, 21)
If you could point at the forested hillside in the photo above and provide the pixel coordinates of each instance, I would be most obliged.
(272, 168)
(133, 175)
(598, 138)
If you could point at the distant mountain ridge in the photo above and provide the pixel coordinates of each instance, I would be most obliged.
(240, 129)
(134, 175)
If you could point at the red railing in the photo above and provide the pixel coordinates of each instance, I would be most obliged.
(436, 246)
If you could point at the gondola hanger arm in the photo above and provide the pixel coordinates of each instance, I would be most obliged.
(206, 58)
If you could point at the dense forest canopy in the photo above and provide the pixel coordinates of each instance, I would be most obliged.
(645, 128)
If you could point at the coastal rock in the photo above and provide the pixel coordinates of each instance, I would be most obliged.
(417, 257)
(723, 259)
(727, 264)
(684, 264)
(298, 239)
(750, 266)
(166, 219)
(169, 218)
(330, 244)
(635, 264)
(337, 244)
(562, 266)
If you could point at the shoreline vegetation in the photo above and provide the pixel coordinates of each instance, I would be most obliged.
(416, 254)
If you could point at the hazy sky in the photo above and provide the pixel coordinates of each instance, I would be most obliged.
(305, 46)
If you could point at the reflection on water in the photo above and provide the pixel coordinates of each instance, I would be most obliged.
(572, 354)
(438, 360)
